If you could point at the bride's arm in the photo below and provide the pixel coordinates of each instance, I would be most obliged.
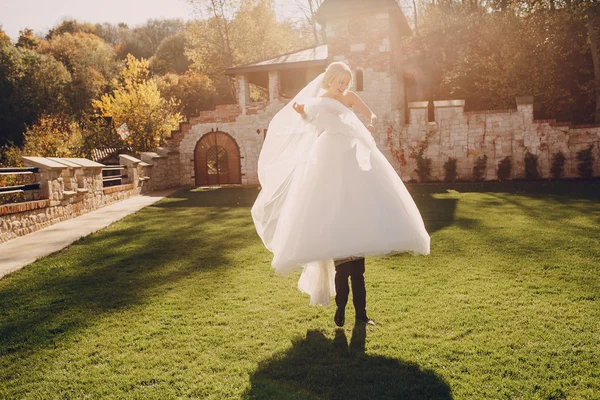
(356, 101)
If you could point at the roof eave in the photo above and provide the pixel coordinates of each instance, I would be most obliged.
(275, 67)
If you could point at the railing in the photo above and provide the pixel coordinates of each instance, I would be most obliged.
(21, 192)
(112, 176)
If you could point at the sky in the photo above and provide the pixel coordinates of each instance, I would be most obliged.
(41, 15)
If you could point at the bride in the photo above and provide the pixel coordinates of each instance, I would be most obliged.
(327, 192)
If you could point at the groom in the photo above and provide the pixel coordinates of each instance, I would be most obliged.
(353, 268)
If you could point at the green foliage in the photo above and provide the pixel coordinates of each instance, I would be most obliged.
(10, 156)
(450, 170)
(242, 35)
(480, 168)
(31, 85)
(586, 162)
(142, 41)
(423, 169)
(558, 165)
(137, 102)
(53, 136)
(193, 91)
(92, 63)
(170, 56)
(4, 39)
(71, 26)
(531, 166)
(489, 58)
(98, 133)
(504, 168)
(27, 39)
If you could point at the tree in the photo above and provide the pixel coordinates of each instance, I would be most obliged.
(31, 85)
(237, 33)
(170, 56)
(4, 39)
(304, 11)
(27, 39)
(92, 63)
(593, 24)
(53, 136)
(137, 102)
(141, 41)
(489, 58)
(193, 91)
(71, 26)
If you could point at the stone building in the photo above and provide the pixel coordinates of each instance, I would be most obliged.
(221, 146)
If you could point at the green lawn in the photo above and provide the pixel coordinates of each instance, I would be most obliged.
(179, 301)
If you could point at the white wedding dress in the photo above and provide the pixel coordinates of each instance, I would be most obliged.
(328, 193)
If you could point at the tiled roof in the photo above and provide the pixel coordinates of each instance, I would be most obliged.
(313, 56)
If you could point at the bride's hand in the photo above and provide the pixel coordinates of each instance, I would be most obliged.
(299, 108)
(371, 128)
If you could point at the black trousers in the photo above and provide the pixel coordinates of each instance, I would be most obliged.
(355, 270)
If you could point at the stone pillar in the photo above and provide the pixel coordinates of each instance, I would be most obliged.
(448, 110)
(525, 107)
(243, 92)
(273, 86)
(418, 112)
(132, 169)
(51, 181)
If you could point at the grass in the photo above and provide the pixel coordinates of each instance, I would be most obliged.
(179, 301)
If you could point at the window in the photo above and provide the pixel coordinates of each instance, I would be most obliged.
(359, 80)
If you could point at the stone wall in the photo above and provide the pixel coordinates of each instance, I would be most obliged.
(69, 187)
(247, 130)
(163, 168)
(496, 134)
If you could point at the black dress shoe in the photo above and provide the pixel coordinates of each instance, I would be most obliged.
(365, 320)
(339, 317)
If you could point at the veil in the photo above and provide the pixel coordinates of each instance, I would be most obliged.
(284, 152)
(289, 137)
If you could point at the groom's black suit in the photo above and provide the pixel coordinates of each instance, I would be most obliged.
(355, 269)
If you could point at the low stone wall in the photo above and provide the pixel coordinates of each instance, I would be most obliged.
(467, 136)
(70, 187)
(163, 168)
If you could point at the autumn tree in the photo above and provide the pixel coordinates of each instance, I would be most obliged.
(237, 33)
(194, 91)
(31, 85)
(71, 26)
(491, 57)
(4, 39)
(27, 39)
(53, 136)
(92, 63)
(137, 102)
(170, 56)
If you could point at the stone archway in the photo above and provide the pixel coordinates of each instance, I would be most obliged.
(217, 160)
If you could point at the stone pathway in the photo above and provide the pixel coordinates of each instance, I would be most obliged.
(22, 251)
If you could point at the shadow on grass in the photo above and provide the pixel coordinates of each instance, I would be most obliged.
(233, 196)
(316, 367)
(116, 268)
(563, 189)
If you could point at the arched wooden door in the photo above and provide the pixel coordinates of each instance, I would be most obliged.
(217, 160)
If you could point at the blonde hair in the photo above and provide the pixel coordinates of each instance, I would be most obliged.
(333, 71)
